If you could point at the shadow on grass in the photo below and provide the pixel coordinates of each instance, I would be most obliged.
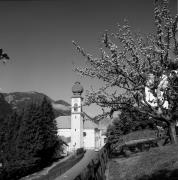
(163, 174)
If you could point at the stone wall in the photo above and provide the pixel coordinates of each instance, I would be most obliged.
(95, 169)
(91, 167)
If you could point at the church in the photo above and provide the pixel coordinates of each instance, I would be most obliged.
(79, 130)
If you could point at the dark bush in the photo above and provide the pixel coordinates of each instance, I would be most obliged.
(80, 151)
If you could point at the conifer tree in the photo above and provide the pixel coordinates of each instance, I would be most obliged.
(29, 141)
(38, 133)
(49, 127)
(9, 144)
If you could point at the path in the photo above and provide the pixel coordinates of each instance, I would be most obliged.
(76, 169)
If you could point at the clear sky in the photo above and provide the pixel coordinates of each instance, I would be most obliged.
(38, 35)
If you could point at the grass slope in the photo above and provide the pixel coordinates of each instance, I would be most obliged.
(158, 164)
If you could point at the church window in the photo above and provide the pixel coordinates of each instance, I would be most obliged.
(84, 134)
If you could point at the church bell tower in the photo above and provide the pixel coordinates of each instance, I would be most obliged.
(76, 118)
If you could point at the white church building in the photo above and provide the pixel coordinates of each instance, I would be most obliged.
(79, 130)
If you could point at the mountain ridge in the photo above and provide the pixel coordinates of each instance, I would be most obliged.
(19, 100)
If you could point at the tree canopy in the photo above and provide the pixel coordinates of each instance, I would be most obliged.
(141, 66)
(3, 56)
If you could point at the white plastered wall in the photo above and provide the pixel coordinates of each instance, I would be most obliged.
(89, 139)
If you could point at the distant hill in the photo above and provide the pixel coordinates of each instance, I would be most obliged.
(18, 100)
(62, 102)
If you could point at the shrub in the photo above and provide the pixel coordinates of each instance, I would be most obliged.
(80, 151)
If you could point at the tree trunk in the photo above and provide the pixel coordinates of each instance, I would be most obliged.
(172, 133)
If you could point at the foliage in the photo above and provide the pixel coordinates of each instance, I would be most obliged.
(3, 56)
(80, 151)
(126, 123)
(5, 108)
(138, 67)
(114, 133)
(30, 140)
(135, 121)
(122, 127)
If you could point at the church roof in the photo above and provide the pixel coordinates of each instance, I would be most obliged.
(64, 122)
(88, 124)
(102, 124)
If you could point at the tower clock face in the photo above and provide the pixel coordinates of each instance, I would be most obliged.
(75, 107)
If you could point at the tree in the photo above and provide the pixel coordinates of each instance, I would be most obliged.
(135, 121)
(3, 56)
(8, 149)
(29, 140)
(126, 123)
(38, 133)
(139, 67)
(114, 134)
(49, 127)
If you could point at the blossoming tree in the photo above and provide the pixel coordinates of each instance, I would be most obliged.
(144, 67)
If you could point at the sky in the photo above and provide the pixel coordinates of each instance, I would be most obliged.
(38, 34)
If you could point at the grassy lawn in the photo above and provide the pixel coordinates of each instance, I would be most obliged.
(159, 163)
